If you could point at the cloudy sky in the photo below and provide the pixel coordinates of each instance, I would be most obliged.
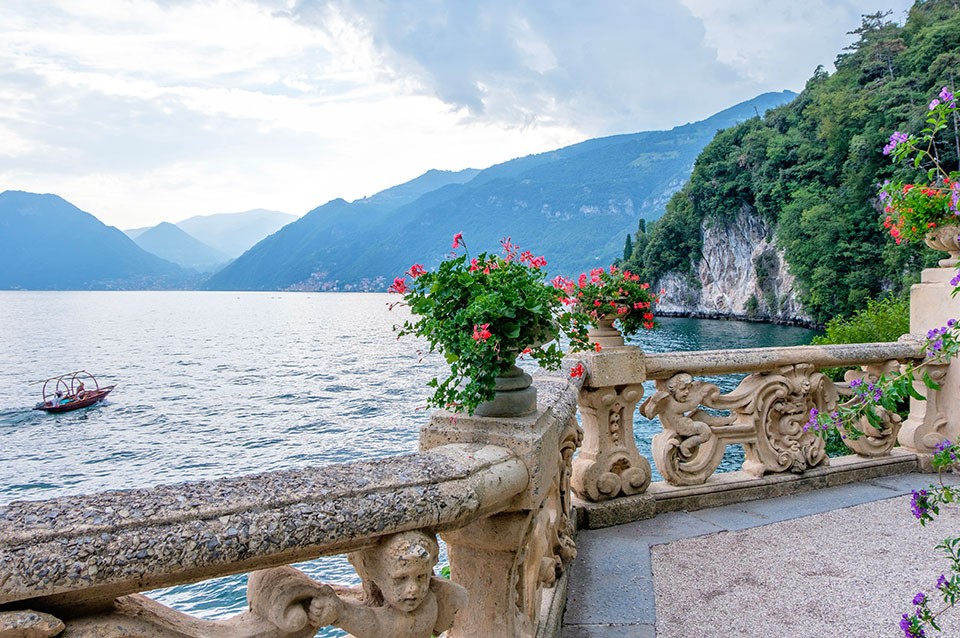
(141, 111)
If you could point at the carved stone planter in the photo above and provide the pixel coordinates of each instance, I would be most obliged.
(945, 240)
(515, 396)
(605, 334)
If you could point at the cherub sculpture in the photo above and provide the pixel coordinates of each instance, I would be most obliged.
(401, 597)
(677, 403)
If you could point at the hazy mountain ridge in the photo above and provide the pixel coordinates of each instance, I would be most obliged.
(575, 204)
(235, 233)
(170, 242)
(47, 243)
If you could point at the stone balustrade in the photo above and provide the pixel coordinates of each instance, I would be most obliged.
(73, 566)
(767, 413)
(497, 490)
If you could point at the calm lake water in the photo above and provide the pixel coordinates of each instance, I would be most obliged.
(213, 384)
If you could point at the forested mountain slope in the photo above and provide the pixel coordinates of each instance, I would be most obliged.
(809, 170)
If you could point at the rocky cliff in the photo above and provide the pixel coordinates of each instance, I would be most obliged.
(740, 274)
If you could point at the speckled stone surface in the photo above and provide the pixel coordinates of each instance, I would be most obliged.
(81, 549)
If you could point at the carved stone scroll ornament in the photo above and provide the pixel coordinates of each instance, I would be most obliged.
(927, 424)
(688, 450)
(778, 406)
(874, 442)
(548, 545)
(766, 413)
(609, 463)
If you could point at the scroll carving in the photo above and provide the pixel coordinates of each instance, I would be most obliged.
(609, 463)
(688, 450)
(766, 413)
(927, 424)
(875, 441)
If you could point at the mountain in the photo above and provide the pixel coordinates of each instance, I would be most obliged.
(47, 243)
(233, 233)
(173, 244)
(576, 205)
(301, 254)
(808, 172)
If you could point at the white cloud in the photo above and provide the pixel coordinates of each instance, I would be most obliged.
(147, 110)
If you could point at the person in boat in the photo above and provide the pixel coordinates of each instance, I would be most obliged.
(61, 399)
(80, 391)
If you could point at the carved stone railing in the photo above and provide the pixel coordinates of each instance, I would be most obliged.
(767, 413)
(496, 489)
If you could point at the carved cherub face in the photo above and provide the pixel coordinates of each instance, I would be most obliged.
(679, 386)
(405, 583)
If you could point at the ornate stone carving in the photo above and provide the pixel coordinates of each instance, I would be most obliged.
(609, 463)
(778, 405)
(875, 441)
(688, 451)
(401, 598)
(927, 424)
(766, 413)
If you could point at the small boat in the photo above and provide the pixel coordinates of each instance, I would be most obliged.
(70, 392)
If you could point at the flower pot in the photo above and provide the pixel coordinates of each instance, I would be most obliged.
(514, 396)
(944, 239)
(604, 333)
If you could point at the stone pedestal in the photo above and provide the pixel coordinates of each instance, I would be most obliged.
(506, 559)
(937, 418)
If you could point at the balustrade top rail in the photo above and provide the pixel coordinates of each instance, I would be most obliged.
(82, 551)
(664, 365)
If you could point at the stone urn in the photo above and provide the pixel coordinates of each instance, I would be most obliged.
(945, 239)
(514, 395)
(605, 333)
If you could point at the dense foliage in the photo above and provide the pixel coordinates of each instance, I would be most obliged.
(482, 313)
(884, 319)
(812, 166)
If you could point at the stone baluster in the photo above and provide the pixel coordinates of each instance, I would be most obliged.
(609, 463)
(938, 418)
(506, 560)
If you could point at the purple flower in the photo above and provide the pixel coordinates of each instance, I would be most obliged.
(956, 280)
(941, 582)
(920, 598)
(943, 445)
(812, 423)
(934, 104)
(895, 140)
(919, 503)
(947, 97)
(911, 627)
(858, 382)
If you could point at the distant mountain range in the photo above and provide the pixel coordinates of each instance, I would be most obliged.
(47, 243)
(168, 241)
(576, 205)
(208, 242)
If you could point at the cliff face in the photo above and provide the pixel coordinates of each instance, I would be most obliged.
(739, 275)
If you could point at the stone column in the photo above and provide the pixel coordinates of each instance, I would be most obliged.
(609, 463)
(937, 418)
(506, 559)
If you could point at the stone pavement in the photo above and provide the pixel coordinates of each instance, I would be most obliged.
(844, 561)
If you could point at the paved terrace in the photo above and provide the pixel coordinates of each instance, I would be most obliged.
(837, 561)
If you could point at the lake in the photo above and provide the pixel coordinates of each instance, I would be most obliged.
(213, 384)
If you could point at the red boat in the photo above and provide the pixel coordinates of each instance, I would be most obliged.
(69, 392)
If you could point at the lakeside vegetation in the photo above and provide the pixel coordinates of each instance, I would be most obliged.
(813, 166)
